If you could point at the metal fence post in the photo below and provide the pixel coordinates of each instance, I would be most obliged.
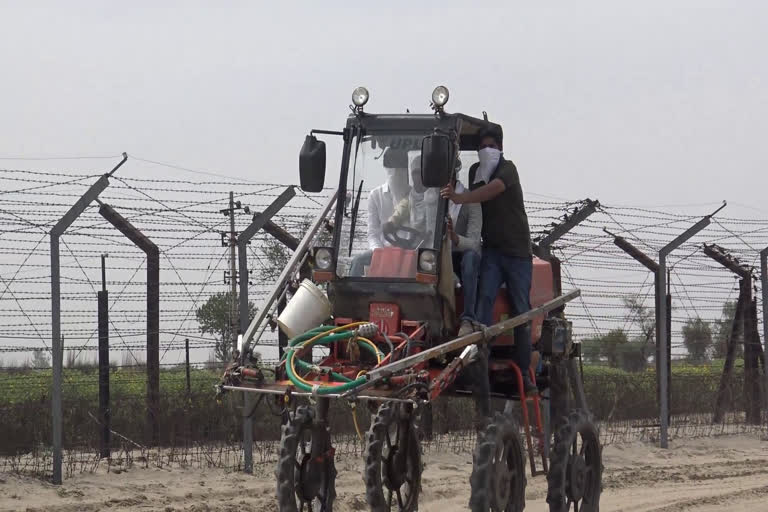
(661, 328)
(659, 294)
(259, 220)
(233, 308)
(752, 356)
(188, 402)
(747, 320)
(153, 313)
(57, 345)
(103, 323)
(56, 357)
(189, 383)
(668, 356)
(576, 217)
(764, 287)
(661, 340)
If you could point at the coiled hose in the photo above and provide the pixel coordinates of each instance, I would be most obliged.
(325, 335)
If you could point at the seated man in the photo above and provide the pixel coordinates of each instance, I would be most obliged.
(464, 225)
(418, 210)
(381, 205)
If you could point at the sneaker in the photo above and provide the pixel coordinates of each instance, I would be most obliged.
(466, 328)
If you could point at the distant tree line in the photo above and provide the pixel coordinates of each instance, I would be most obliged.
(703, 340)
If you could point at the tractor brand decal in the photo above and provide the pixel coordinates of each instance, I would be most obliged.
(386, 316)
(405, 143)
(400, 143)
(383, 310)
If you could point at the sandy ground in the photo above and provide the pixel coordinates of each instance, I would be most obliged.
(725, 473)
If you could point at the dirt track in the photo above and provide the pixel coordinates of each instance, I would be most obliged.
(727, 473)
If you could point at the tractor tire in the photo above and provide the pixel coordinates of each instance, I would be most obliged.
(292, 474)
(498, 477)
(387, 465)
(576, 469)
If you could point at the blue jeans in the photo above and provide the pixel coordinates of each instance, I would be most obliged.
(497, 268)
(469, 264)
(359, 262)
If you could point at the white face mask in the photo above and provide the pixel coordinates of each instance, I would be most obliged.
(398, 182)
(489, 155)
(489, 160)
(416, 183)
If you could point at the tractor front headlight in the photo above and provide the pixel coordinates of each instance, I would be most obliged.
(323, 258)
(360, 96)
(440, 96)
(428, 261)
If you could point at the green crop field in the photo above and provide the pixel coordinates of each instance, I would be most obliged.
(196, 416)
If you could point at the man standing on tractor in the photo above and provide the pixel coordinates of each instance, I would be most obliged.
(507, 253)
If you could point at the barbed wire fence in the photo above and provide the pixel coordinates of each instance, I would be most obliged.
(183, 217)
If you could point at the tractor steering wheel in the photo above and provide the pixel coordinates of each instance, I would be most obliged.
(391, 235)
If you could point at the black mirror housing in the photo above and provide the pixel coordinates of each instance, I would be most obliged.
(436, 160)
(312, 164)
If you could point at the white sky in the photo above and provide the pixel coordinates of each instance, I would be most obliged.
(652, 103)
(657, 104)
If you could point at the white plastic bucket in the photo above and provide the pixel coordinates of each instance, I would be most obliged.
(306, 310)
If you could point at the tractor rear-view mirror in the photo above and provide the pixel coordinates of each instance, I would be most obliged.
(436, 160)
(312, 164)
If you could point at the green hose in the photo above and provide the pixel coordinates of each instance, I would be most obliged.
(290, 354)
(307, 366)
(324, 390)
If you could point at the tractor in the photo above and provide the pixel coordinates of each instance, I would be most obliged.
(384, 332)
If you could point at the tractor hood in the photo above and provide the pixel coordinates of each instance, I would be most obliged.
(416, 301)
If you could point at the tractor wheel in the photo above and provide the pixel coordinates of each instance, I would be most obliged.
(498, 472)
(576, 469)
(304, 482)
(393, 460)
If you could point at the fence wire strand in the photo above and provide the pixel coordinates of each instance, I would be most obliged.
(183, 217)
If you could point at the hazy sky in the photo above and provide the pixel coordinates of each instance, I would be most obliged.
(642, 103)
(659, 104)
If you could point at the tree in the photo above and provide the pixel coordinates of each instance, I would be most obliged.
(590, 349)
(631, 354)
(697, 338)
(607, 346)
(215, 318)
(645, 319)
(40, 359)
(77, 360)
(634, 357)
(277, 255)
(722, 331)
